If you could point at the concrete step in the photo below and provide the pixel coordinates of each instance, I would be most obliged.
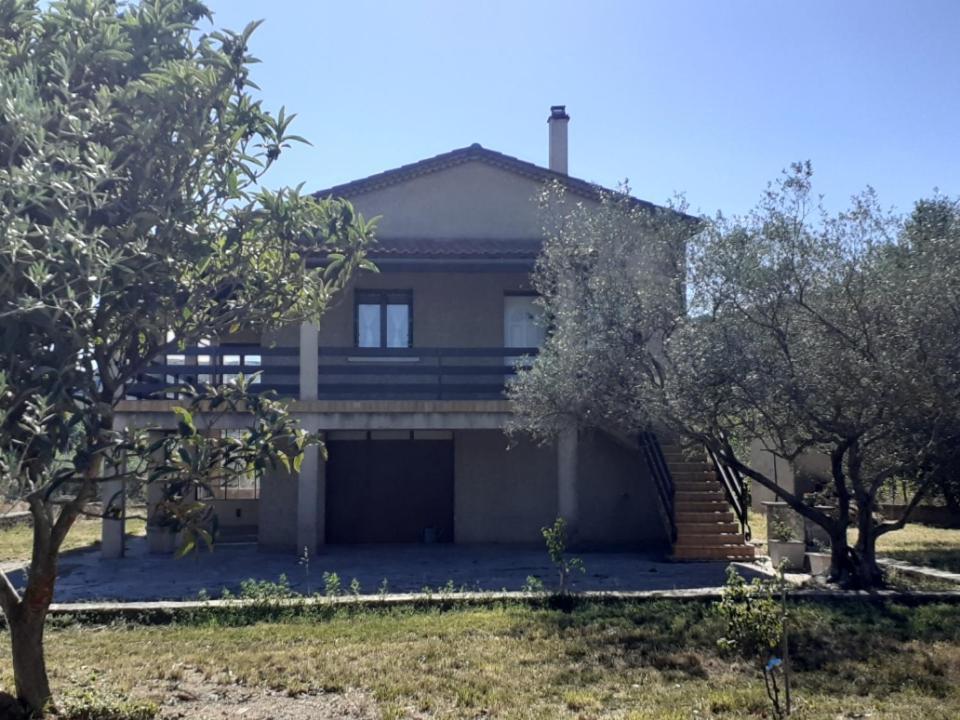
(729, 552)
(710, 516)
(708, 540)
(698, 506)
(700, 493)
(699, 479)
(698, 486)
(707, 528)
(688, 466)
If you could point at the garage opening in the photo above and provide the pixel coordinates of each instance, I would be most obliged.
(390, 490)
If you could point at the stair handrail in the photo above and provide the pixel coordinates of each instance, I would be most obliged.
(735, 488)
(662, 479)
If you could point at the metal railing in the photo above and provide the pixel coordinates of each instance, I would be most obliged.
(662, 479)
(420, 373)
(736, 491)
(344, 373)
(279, 369)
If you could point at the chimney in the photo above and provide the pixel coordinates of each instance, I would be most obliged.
(558, 138)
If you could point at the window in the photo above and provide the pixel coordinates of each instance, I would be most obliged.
(522, 322)
(384, 318)
(523, 325)
(242, 486)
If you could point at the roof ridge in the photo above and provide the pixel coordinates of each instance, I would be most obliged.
(459, 156)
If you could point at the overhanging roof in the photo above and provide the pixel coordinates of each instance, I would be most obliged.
(471, 153)
(456, 248)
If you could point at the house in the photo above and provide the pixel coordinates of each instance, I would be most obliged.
(405, 377)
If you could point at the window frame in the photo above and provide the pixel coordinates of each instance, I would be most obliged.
(382, 298)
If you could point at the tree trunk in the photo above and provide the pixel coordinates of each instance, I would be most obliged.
(840, 565)
(29, 663)
(868, 573)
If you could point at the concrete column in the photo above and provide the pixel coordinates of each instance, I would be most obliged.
(112, 497)
(321, 501)
(568, 505)
(159, 539)
(311, 495)
(154, 496)
(309, 359)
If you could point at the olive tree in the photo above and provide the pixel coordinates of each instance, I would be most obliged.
(833, 334)
(610, 288)
(133, 219)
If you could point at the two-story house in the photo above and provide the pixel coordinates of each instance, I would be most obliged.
(405, 378)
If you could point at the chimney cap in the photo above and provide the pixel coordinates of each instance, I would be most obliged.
(558, 112)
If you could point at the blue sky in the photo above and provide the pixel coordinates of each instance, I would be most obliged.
(709, 98)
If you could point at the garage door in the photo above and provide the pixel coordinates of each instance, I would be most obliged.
(389, 491)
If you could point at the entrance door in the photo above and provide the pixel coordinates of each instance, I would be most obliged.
(389, 491)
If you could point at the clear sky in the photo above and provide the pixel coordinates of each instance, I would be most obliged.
(712, 98)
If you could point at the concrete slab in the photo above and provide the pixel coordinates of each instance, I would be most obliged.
(85, 576)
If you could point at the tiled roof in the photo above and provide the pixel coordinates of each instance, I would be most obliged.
(521, 248)
(474, 152)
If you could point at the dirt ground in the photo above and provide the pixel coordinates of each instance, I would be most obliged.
(193, 697)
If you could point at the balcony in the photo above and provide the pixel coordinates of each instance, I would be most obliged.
(343, 373)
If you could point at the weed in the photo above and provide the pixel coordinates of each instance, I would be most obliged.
(556, 539)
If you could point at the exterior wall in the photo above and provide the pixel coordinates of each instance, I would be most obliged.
(507, 495)
(472, 200)
(502, 495)
(236, 513)
(449, 309)
(618, 502)
(278, 511)
(800, 476)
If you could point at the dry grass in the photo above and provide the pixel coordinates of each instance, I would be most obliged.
(15, 543)
(653, 660)
(915, 543)
(923, 545)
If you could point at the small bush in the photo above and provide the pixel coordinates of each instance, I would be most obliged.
(753, 616)
(266, 590)
(331, 584)
(556, 539)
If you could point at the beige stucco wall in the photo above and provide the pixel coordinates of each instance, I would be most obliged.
(618, 502)
(449, 309)
(502, 495)
(800, 476)
(236, 513)
(506, 494)
(472, 200)
(278, 511)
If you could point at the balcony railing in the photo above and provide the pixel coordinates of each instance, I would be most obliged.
(418, 373)
(279, 369)
(344, 373)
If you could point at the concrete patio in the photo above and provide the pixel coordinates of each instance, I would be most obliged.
(86, 576)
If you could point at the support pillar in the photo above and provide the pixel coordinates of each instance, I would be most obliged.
(568, 502)
(112, 497)
(160, 540)
(311, 496)
(309, 360)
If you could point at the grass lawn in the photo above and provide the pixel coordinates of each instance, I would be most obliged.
(923, 545)
(645, 660)
(917, 544)
(15, 543)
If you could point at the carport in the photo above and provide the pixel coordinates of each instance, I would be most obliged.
(390, 488)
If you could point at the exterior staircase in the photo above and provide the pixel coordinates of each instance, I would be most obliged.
(706, 527)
